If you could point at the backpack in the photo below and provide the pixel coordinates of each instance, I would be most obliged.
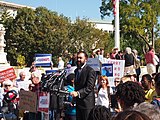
(156, 102)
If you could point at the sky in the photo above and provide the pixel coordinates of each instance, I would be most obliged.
(69, 8)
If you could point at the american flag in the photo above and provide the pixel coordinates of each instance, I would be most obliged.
(114, 6)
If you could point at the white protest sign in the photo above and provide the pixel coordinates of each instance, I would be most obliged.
(43, 103)
(118, 67)
(94, 63)
(70, 70)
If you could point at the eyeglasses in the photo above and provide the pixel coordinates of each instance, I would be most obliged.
(117, 81)
(7, 85)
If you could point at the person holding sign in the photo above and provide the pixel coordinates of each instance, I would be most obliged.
(35, 87)
(85, 78)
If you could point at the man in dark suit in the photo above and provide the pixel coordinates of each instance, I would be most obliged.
(84, 87)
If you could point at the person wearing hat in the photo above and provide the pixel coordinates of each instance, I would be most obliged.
(114, 53)
(7, 85)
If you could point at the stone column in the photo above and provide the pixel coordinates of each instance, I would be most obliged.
(3, 55)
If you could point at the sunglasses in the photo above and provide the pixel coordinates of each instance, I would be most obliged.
(7, 85)
(117, 81)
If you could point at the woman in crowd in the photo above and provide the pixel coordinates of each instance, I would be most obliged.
(103, 92)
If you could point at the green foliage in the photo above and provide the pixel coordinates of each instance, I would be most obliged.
(44, 31)
(21, 61)
(157, 45)
(138, 18)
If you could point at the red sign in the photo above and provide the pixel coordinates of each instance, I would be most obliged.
(7, 74)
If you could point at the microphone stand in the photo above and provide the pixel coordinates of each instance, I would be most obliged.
(58, 91)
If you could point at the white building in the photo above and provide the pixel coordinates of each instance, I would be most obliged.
(103, 25)
(11, 8)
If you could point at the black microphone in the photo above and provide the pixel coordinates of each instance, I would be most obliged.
(62, 74)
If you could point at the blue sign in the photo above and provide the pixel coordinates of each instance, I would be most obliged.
(107, 70)
(43, 59)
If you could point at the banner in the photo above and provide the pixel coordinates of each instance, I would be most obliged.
(70, 70)
(118, 67)
(43, 59)
(43, 105)
(28, 101)
(6, 74)
(94, 63)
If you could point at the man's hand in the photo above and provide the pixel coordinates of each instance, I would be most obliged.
(74, 94)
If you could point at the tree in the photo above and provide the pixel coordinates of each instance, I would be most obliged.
(138, 18)
(84, 36)
(35, 31)
(44, 31)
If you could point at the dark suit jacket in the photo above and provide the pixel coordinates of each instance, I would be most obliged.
(85, 86)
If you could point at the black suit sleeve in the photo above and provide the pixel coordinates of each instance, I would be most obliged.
(90, 83)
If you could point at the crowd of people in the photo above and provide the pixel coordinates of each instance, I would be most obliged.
(90, 95)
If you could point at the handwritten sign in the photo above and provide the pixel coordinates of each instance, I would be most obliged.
(6, 74)
(28, 101)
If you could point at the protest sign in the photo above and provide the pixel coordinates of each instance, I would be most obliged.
(70, 70)
(43, 59)
(94, 63)
(118, 67)
(6, 74)
(28, 101)
(43, 103)
(107, 70)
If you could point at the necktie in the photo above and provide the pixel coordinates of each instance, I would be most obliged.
(78, 74)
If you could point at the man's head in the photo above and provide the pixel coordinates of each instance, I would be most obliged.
(129, 93)
(157, 84)
(115, 50)
(81, 58)
(146, 81)
(22, 75)
(128, 50)
(59, 58)
(117, 81)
